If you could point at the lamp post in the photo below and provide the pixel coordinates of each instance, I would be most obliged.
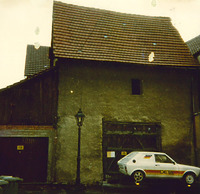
(79, 119)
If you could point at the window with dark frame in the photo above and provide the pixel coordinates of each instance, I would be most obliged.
(136, 87)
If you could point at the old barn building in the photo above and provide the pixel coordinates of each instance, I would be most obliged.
(134, 79)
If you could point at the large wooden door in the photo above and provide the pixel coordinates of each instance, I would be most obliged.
(119, 139)
(24, 157)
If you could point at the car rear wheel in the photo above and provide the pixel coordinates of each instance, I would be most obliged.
(189, 178)
(138, 176)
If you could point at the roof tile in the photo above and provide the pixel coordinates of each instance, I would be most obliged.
(94, 34)
(37, 60)
(194, 45)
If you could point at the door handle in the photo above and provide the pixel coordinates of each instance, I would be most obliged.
(157, 165)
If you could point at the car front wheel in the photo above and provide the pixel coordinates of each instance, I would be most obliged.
(138, 176)
(189, 178)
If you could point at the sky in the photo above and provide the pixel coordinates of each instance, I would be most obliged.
(25, 22)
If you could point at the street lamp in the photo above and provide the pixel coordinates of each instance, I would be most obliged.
(79, 119)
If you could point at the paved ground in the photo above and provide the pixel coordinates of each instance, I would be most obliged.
(155, 187)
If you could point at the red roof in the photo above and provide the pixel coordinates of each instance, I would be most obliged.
(95, 34)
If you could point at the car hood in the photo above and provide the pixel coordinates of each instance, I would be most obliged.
(188, 167)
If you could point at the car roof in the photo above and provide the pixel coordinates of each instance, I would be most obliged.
(148, 152)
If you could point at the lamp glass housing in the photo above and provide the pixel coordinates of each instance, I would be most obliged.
(79, 118)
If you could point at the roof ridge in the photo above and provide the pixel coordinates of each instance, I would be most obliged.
(111, 11)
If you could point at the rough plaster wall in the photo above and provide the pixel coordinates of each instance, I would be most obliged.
(104, 91)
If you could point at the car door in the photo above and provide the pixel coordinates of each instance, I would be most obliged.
(147, 163)
(165, 167)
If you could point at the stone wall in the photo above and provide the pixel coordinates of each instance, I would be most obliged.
(103, 90)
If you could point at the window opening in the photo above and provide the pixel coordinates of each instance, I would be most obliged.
(136, 87)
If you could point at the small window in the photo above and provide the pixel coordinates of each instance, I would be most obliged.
(136, 87)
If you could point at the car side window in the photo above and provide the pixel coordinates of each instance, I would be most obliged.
(162, 159)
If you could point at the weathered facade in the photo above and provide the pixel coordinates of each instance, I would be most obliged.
(103, 90)
(194, 46)
(31, 102)
(27, 128)
(133, 77)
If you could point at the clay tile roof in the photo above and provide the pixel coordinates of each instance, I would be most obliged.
(95, 34)
(37, 60)
(194, 45)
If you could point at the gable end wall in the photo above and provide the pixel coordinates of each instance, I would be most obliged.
(103, 91)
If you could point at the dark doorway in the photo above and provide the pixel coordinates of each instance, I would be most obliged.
(119, 139)
(24, 157)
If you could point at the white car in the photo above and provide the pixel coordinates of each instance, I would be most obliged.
(140, 165)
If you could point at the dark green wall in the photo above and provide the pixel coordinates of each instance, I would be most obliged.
(103, 91)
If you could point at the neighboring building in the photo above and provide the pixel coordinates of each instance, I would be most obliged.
(133, 77)
(194, 46)
(37, 60)
(28, 112)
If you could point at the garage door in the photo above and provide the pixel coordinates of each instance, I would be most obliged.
(119, 139)
(24, 157)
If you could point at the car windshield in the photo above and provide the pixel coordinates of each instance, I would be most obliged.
(128, 157)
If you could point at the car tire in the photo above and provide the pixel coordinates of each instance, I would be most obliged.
(138, 176)
(189, 178)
